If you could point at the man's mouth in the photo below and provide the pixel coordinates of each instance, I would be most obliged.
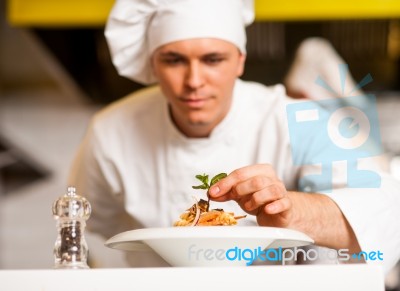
(197, 102)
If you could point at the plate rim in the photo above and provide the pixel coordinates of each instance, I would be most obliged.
(139, 236)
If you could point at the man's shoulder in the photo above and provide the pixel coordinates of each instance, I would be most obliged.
(261, 88)
(261, 93)
(265, 100)
(135, 105)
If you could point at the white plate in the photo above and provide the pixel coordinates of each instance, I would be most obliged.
(208, 246)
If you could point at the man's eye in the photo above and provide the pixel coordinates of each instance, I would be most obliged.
(173, 61)
(213, 60)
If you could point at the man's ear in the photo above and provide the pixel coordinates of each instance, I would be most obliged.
(242, 60)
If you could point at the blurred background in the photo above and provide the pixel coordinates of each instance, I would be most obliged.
(55, 72)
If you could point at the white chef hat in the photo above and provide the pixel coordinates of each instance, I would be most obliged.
(135, 28)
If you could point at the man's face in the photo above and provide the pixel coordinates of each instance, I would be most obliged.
(197, 76)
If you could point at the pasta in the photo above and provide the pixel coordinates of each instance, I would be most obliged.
(197, 215)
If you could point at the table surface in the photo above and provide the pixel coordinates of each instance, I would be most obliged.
(301, 277)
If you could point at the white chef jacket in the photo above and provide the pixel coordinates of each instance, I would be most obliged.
(137, 170)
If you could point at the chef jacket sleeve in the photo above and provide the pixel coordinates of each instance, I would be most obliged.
(96, 178)
(371, 205)
(374, 215)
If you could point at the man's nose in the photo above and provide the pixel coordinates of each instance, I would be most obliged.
(194, 77)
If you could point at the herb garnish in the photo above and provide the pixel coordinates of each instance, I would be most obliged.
(206, 185)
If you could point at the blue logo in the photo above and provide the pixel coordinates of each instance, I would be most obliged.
(340, 131)
(259, 254)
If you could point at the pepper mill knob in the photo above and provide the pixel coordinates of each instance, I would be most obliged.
(71, 212)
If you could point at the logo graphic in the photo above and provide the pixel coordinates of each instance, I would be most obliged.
(333, 134)
(259, 254)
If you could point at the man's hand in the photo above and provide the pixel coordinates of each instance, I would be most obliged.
(259, 192)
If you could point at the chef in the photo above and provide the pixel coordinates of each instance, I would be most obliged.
(138, 160)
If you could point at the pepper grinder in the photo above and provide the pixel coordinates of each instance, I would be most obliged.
(71, 212)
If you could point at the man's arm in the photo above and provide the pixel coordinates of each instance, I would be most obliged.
(320, 217)
(259, 192)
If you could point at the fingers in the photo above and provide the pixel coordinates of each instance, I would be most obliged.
(265, 196)
(253, 185)
(256, 188)
(226, 187)
(250, 186)
(278, 206)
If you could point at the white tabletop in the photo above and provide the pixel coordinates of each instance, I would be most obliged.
(307, 277)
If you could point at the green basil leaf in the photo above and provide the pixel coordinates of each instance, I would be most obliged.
(217, 178)
(203, 178)
(204, 187)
